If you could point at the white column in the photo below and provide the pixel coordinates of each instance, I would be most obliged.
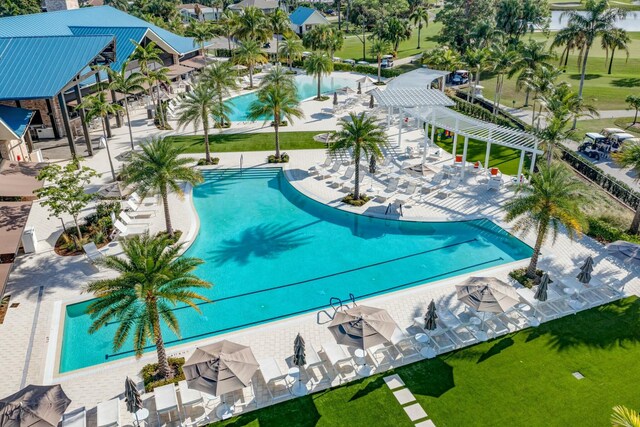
(520, 165)
(442, 83)
(400, 132)
(464, 156)
(533, 163)
(389, 117)
(455, 146)
(486, 157)
(426, 143)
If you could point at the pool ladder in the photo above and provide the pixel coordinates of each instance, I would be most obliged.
(337, 304)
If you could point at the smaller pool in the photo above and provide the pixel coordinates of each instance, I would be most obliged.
(307, 88)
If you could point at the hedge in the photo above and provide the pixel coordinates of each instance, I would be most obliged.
(480, 113)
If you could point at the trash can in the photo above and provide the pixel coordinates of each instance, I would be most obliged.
(29, 240)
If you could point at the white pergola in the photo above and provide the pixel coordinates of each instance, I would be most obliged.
(459, 124)
(422, 77)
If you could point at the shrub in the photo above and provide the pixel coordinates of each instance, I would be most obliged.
(348, 199)
(520, 276)
(604, 231)
(284, 158)
(214, 161)
(150, 374)
(283, 123)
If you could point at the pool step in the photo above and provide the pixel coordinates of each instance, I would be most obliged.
(247, 173)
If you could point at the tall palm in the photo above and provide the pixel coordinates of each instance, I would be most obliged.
(597, 19)
(533, 55)
(503, 59)
(420, 18)
(153, 278)
(126, 83)
(159, 169)
(279, 101)
(280, 25)
(279, 77)
(228, 21)
(571, 37)
(624, 417)
(318, 64)
(223, 79)
(317, 38)
(292, 48)
(156, 77)
(378, 49)
(145, 56)
(615, 39)
(252, 24)
(250, 54)
(201, 32)
(539, 82)
(551, 201)
(198, 107)
(477, 60)
(629, 156)
(364, 137)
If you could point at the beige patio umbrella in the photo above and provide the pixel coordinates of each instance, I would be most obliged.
(487, 295)
(34, 406)
(362, 327)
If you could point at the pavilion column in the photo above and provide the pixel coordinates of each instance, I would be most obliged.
(83, 116)
(464, 156)
(400, 132)
(442, 81)
(65, 122)
(486, 157)
(106, 119)
(389, 117)
(426, 143)
(533, 163)
(113, 99)
(455, 146)
(52, 118)
(520, 165)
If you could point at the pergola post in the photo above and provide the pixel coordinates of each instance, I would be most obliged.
(389, 117)
(533, 162)
(442, 81)
(400, 130)
(65, 122)
(464, 156)
(426, 143)
(83, 116)
(520, 165)
(486, 157)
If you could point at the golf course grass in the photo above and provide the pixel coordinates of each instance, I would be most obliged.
(521, 379)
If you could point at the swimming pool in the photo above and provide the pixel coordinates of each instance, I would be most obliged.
(307, 88)
(272, 253)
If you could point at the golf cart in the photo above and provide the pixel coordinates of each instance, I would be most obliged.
(591, 145)
(460, 77)
(387, 61)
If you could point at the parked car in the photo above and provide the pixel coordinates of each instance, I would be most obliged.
(362, 63)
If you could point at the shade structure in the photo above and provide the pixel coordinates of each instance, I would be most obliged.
(543, 287)
(430, 317)
(132, 396)
(487, 294)
(585, 271)
(299, 356)
(34, 406)
(220, 368)
(362, 327)
(625, 251)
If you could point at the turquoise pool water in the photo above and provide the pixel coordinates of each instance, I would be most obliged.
(272, 253)
(307, 88)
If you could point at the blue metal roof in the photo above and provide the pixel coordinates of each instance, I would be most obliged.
(15, 119)
(59, 24)
(300, 15)
(123, 35)
(39, 67)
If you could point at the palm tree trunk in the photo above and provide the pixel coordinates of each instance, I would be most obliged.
(163, 362)
(635, 118)
(533, 113)
(126, 108)
(319, 77)
(635, 224)
(526, 98)
(356, 186)
(495, 98)
(104, 133)
(276, 128)
(290, 62)
(251, 77)
(533, 264)
(613, 51)
(277, 49)
(379, 67)
(165, 205)
(419, 28)
(206, 143)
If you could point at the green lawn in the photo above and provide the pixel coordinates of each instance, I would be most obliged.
(605, 92)
(520, 379)
(225, 143)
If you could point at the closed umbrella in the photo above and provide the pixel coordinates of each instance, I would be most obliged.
(34, 406)
(132, 398)
(585, 271)
(543, 287)
(359, 88)
(335, 98)
(299, 359)
(371, 102)
(430, 318)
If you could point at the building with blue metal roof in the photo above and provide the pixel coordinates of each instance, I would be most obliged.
(304, 19)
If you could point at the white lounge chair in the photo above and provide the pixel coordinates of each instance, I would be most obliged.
(76, 418)
(345, 178)
(92, 252)
(109, 413)
(390, 190)
(166, 403)
(190, 398)
(127, 220)
(441, 341)
(315, 367)
(339, 360)
(403, 197)
(350, 187)
(315, 170)
(327, 173)
(127, 230)
(134, 211)
(544, 311)
(272, 376)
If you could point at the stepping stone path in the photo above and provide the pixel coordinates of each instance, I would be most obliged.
(407, 400)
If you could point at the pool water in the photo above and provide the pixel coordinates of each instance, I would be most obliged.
(272, 253)
(307, 88)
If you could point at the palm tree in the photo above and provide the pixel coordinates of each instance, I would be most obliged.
(615, 39)
(317, 38)
(634, 103)
(624, 417)
(550, 201)
(159, 169)
(292, 49)
(395, 30)
(540, 81)
(420, 17)
(378, 49)
(571, 37)
(156, 77)
(228, 21)
(318, 65)
(503, 59)
(364, 137)
(147, 55)
(252, 24)
(97, 106)
(597, 19)
(197, 107)
(279, 101)
(201, 32)
(126, 84)
(280, 25)
(477, 60)
(223, 79)
(153, 278)
(279, 77)
(533, 55)
(250, 54)
(629, 156)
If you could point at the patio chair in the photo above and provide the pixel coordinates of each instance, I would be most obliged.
(166, 403)
(127, 220)
(327, 173)
(108, 413)
(123, 230)
(245, 397)
(92, 252)
(463, 335)
(541, 310)
(441, 341)
(315, 169)
(315, 365)
(350, 187)
(272, 376)
(404, 343)
(339, 359)
(345, 178)
(390, 190)
(190, 398)
(403, 197)
(76, 418)
(497, 326)
(134, 211)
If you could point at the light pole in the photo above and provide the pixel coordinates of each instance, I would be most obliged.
(103, 141)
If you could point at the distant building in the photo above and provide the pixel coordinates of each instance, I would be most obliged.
(198, 12)
(267, 6)
(56, 5)
(304, 19)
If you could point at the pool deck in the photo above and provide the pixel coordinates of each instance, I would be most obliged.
(41, 283)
